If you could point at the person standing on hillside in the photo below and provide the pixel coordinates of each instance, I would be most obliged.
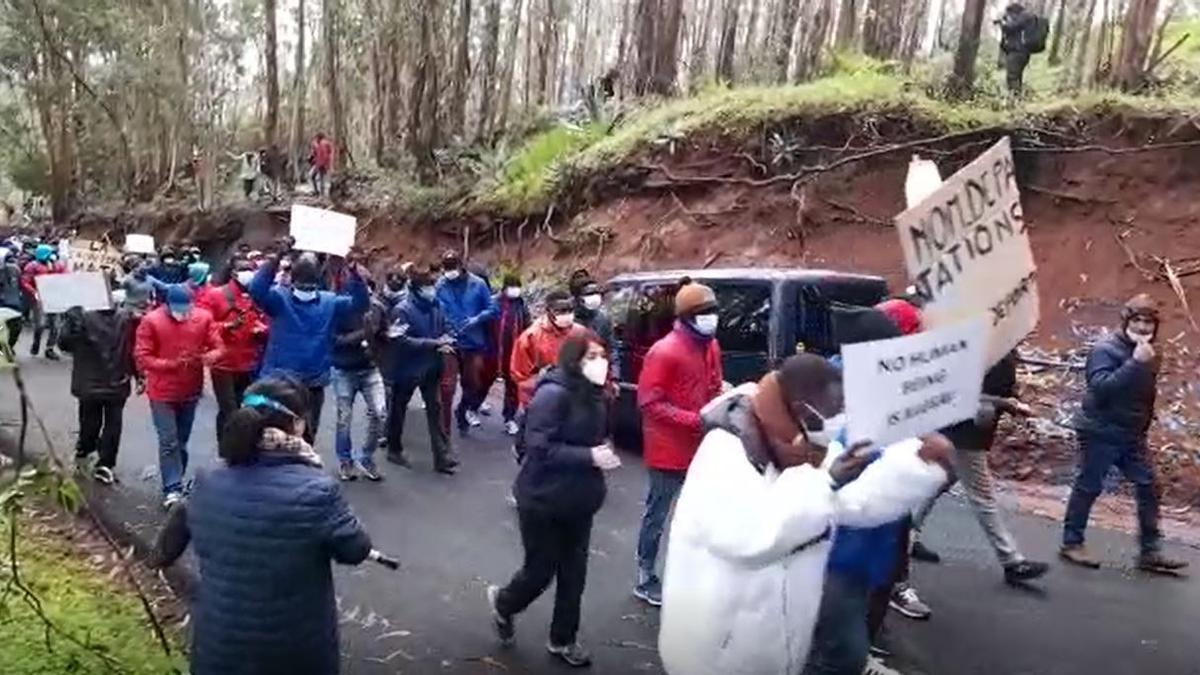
(681, 373)
(320, 157)
(43, 263)
(513, 319)
(1122, 378)
(1015, 28)
(469, 309)
(244, 330)
(173, 345)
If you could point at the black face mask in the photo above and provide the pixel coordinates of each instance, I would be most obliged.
(395, 284)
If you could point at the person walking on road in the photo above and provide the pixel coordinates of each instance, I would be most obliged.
(590, 312)
(420, 341)
(265, 527)
(355, 372)
(559, 490)
(303, 319)
(680, 374)
(244, 331)
(102, 345)
(537, 348)
(43, 263)
(469, 309)
(513, 319)
(1122, 373)
(11, 293)
(174, 343)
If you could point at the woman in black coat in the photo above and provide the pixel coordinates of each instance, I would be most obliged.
(559, 489)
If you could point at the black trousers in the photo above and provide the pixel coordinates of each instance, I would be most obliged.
(100, 421)
(229, 388)
(14, 330)
(555, 550)
(402, 393)
(316, 399)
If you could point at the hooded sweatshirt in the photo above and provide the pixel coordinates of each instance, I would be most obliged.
(749, 544)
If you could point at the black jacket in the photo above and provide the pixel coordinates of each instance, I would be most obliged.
(102, 343)
(1000, 380)
(1012, 31)
(1121, 391)
(557, 477)
(356, 342)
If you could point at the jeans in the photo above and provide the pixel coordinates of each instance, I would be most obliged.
(472, 368)
(47, 323)
(402, 392)
(100, 422)
(320, 181)
(1098, 455)
(347, 384)
(840, 641)
(173, 423)
(555, 550)
(316, 401)
(663, 488)
(228, 388)
(14, 330)
(980, 486)
(1014, 70)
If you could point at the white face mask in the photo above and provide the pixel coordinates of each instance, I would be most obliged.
(513, 292)
(181, 316)
(244, 277)
(596, 371)
(593, 302)
(451, 275)
(304, 296)
(118, 296)
(564, 320)
(832, 428)
(428, 293)
(706, 324)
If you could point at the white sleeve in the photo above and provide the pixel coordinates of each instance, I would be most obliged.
(746, 517)
(891, 486)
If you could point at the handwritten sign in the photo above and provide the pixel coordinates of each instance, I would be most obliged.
(60, 292)
(966, 247)
(908, 386)
(322, 230)
(93, 256)
(139, 243)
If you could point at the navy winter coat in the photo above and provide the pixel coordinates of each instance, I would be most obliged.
(414, 351)
(469, 308)
(1119, 404)
(264, 535)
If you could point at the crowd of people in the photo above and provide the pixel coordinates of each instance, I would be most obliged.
(787, 543)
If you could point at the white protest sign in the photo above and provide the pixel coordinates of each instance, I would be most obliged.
(139, 243)
(60, 292)
(908, 386)
(966, 247)
(93, 256)
(322, 231)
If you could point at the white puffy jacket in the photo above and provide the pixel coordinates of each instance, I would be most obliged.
(746, 559)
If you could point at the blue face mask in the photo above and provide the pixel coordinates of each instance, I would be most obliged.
(305, 295)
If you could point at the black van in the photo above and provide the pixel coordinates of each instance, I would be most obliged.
(766, 315)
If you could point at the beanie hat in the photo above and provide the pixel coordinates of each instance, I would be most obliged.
(1140, 305)
(694, 299)
(43, 252)
(902, 313)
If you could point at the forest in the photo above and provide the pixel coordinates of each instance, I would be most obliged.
(105, 101)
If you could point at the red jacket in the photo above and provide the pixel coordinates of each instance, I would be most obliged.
(169, 353)
(681, 373)
(537, 348)
(34, 269)
(322, 154)
(242, 325)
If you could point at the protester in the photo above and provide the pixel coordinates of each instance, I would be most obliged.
(751, 533)
(244, 331)
(248, 169)
(356, 371)
(1015, 28)
(419, 339)
(303, 319)
(513, 319)
(320, 158)
(395, 285)
(264, 528)
(680, 374)
(101, 343)
(537, 348)
(1122, 374)
(590, 312)
(170, 268)
(139, 289)
(174, 343)
(559, 490)
(198, 274)
(468, 308)
(42, 264)
(11, 294)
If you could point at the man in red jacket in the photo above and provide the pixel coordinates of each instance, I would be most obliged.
(44, 262)
(681, 373)
(174, 343)
(243, 329)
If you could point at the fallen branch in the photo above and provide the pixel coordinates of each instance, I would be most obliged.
(1048, 363)
(1163, 57)
(1067, 195)
(866, 217)
(1177, 286)
(1132, 257)
(1179, 145)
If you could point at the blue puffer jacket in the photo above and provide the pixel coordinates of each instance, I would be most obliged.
(867, 554)
(302, 333)
(413, 331)
(264, 535)
(1119, 404)
(468, 307)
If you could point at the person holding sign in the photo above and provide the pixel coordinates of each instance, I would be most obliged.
(43, 263)
(752, 530)
(1122, 374)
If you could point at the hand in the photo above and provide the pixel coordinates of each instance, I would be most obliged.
(1143, 352)
(1016, 407)
(850, 464)
(937, 449)
(446, 341)
(139, 386)
(604, 458)
(446, 349)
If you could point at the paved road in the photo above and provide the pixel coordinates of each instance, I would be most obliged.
(455, 535)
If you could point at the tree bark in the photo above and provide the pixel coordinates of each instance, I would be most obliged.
(1056, 41)
(847, 30)
(1081, 52)
(1130, 68)
(1099, 69)
(579, 60)
(510, 64)
(423, 130)
(666, 60)
(882, 28)
(727, 47)
(297, 127)
(789, 13)
(271, 123)
(808, 62)
(547, 52)
(490, 57)
(962, 81)
(462, 69)
(646, 21)
(329, 24)
(699, 59)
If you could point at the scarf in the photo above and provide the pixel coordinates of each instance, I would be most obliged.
(281, 442)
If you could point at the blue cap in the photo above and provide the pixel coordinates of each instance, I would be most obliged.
(179, 298)
(198, 271)
(43, 252)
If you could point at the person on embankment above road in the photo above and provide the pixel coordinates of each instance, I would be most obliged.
(1122, 377)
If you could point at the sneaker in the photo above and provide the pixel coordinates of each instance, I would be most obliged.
(52, 355)
(1024, 571)
(649, 593)
(104, 475)
(923, 553)
(876, 667)
(1078, 555)
(367, 468)
(505, 629)
(573, 655)
(511, 428)
(1155, 561)
(171, 499)
(346, 471)
(398, 459)
(906, 601)
(37, 347)
(472, 419)
(447, 469)
(83, 464)
(485, 409)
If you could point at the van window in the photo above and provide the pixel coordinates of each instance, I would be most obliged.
(745, 311)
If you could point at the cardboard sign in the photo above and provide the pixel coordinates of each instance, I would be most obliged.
(93, 256)
(912, 385)
(139, 243)
(966, 247)
(322, 231)
(60, 292)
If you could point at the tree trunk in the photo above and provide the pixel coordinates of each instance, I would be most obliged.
(750, 47)
(547, 52)
(915, 22)
(808, 62)
(490, 57)
(700, 45)
(423, 131)
(329, 24)
(1101, 69)
(582, 41)
(666, 60)
(726, 48)
(1130, 68)
(1056, 42)
(1081, 51)
(646, 20)
(510, 64)
(271, 123)
(462, 69)
(962, 81)
(297, 126)
(847, 30)
(789, 12)
(883, 27)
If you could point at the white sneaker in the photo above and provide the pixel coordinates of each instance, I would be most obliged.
(876, 667)
(485, 409)
(472, 418)
(171, 499)
(510, 428)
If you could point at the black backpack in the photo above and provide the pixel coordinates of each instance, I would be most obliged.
(1036, 32)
